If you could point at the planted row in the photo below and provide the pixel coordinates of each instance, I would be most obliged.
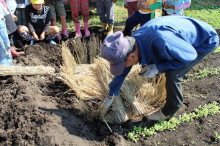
(138, 132)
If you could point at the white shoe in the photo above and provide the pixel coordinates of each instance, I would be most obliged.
(158, 116)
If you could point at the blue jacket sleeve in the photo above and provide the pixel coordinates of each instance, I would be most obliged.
(117, 82)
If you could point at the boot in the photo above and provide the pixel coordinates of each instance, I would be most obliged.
(78, 32)
(104, 27)
(110, 30)
(87, 33)
(14, 53)
(64, 32)
(58, 37)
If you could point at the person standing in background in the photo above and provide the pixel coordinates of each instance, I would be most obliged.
(38, 24)
(105, 10)
(57, 6)
(175, 7)
(83, 7)
(145, 13)
(10, 24)
(131, 6)
(20, 11)
(5, 53)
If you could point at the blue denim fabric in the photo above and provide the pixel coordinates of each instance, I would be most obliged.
(5, 53)
(105, 10)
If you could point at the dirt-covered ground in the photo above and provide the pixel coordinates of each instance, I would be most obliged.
(38, 110)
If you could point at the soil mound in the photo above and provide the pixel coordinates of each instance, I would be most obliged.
(38, 110)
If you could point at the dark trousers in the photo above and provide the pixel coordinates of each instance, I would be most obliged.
(135, 19)
(174, 99)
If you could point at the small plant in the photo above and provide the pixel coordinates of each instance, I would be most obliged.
(203, 73)
(217, 136)
(138, 132)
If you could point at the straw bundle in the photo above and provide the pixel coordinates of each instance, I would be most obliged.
(138, 96)
(84, 52)
(28, 70)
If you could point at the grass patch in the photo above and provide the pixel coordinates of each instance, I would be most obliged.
(140, 132)
(206, 10)
(217, 50)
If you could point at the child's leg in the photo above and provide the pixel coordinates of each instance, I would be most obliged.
(84, 7)
(109, 12)
(5, 54)
(24, 33)
(75, 6)
(132, 8)
(100, 4)
(60, 9)
(23, 16)
(144, 18)
(51, 34)
(131, 22)
(62, 14)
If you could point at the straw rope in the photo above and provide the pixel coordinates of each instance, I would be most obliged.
(26, 70)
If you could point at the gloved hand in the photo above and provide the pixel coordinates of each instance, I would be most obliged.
(105, 105)
(149, 71)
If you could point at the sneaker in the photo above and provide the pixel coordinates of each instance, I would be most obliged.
(32, 42)
(52, 42)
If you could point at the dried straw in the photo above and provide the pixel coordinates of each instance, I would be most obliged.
(26, 70)
(138, 96)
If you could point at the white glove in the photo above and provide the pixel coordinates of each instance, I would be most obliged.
(106, 104)
(149, 71)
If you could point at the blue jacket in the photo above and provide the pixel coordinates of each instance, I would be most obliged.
(170, 42)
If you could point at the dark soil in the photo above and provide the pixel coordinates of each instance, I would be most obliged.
(38, 110)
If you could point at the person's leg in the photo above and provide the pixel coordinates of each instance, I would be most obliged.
(51, 34)
(60, 9)
(131, 22)
(130, 8)
(19, 16)
(84, 8)
(75, 6)
(143, 18)
(5, 53)
(100, 4)
(109, 12)
(23, 16)
(174, 98)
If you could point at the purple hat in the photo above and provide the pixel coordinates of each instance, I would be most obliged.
(114, 49)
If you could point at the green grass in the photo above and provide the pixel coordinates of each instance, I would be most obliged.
(140, 132)
(202, 74)
(217, 49)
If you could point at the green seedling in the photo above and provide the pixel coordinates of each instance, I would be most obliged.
(138, 132)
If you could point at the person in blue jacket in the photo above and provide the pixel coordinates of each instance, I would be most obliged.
(170, 45)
